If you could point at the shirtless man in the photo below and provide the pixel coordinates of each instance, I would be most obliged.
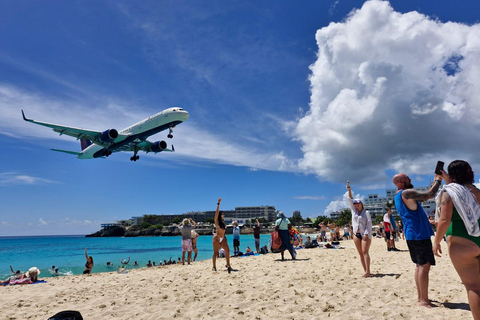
(417, 229)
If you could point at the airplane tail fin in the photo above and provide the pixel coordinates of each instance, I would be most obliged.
(85, 143)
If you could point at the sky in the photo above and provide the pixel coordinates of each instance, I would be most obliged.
(287, 99)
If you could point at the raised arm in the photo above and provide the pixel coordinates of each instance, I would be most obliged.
(423, 195)
(86, 255)
(350, 198)
(349, 190)
(218, 209)
(193, 222)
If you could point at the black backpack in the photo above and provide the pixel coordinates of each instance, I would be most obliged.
(67, 315)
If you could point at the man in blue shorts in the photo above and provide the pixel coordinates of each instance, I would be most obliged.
(417, 229)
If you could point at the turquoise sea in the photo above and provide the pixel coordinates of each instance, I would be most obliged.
(67, 253)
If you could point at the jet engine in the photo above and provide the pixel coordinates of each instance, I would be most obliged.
(158, 146)
(108, 135)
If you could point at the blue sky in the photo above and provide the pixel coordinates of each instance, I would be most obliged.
(287, 101)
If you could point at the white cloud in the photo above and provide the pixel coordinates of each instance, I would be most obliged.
(15, 178)
(42, 222)
(340, 204)
(391, 91)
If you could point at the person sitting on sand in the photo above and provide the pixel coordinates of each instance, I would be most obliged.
(248, 250)
(219, 239)
(88, 264)
(309, 244)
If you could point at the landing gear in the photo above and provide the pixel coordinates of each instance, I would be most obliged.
(135, 157)
(170, 130)
(106, 153)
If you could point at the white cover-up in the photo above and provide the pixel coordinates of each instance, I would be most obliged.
(466, 204)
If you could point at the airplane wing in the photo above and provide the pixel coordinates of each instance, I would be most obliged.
(79, 133)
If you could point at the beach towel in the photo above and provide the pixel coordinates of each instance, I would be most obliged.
(466, 204)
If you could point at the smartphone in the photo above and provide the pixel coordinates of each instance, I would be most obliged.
(439, 167)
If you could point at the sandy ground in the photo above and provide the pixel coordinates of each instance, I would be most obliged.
(322, 283)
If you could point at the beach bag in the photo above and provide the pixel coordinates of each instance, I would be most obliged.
(67, 315)
(276, 241)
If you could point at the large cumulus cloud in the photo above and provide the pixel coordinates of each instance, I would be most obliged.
(391, 90)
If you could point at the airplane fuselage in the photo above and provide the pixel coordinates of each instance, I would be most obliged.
(139, 132)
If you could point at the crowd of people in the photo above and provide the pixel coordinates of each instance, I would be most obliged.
(457, 223)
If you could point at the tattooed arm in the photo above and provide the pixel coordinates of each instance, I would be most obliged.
(422, 195)
(443, 223)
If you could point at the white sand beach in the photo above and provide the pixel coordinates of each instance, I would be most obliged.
(322, 283)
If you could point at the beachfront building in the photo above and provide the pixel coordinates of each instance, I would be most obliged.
(241, 214)
(248, 213)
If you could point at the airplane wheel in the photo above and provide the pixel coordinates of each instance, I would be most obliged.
(170, 136)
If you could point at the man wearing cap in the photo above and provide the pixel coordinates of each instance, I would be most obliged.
(417, 229)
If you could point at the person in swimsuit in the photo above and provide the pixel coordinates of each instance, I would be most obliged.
(362, 230)
(88, 264)
(323, 232)
(195, 235)
(333, 234)
(219, 240)
(463, 247)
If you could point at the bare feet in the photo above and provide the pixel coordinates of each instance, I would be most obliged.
(214, 269)
(367, 275)
(427, 304)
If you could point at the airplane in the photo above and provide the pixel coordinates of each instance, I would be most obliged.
(100, 144)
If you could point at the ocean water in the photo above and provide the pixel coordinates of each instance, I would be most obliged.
(67, 253)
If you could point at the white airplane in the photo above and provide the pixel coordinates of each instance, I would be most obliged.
(98, 144)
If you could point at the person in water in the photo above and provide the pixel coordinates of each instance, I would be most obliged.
(219, 240)
(88, 264)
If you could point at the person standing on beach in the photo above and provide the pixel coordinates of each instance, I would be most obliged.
(459, 220)
(256, 235)
(219, 240)
(236, 237)
(195, 236)
(88, 264)
(186, 228)
(389, 230)
(417, 228)
(282, 225)
(362, 230)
